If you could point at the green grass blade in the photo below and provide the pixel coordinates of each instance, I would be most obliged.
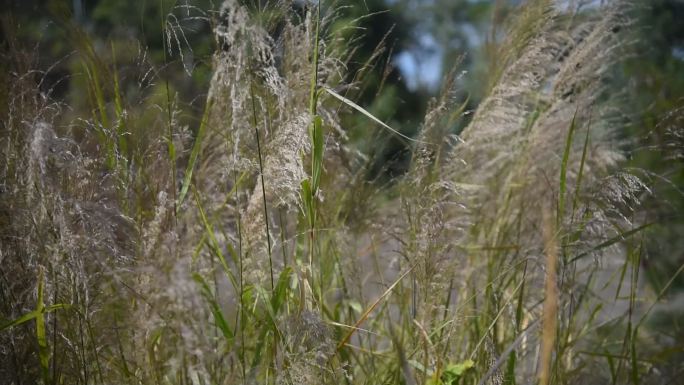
(194, 154)
(564, 171)
(280, 292)
(580, 174)
(31, 315)
(307, 200)
(43, 349)
(25, 318)
(209, 230)
(219, 318)
(118, 108)
(317, 160)
(494, 320)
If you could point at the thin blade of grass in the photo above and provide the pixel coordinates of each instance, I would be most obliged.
(564, 171)
(580, 174)
(509, 378)
(220, 320)
(313, 99)
(209, 230)
(31, 315)
(657, 299)
(370, 309)
(119, 109)
(550, 310)
(43, 350)
(493, 323)
(317, 160)
(369, 115)
(280, 292)
(611, 241)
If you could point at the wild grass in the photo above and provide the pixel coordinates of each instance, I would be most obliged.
(248, 248)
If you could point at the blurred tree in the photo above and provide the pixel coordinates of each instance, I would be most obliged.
(655, 80)
(453, 31)
(413, 45)
(129, 29)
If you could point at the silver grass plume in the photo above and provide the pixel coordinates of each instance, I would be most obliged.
(507, 163)
(426, 198)
(261, 83)
(514, 146)
(66, 221)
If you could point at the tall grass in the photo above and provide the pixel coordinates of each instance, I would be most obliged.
(137, 250)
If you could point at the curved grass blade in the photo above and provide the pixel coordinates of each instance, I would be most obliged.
(220, 320)
(369, 115)
(43, 350)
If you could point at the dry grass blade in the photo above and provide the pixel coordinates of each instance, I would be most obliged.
(370, 309)
(369, 115)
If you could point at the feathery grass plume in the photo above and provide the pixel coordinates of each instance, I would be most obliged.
(245, 56)
(259, 87)
(505, 114)
(524, 124)
(70, 207)
(425, 199)
(550, 96)
(65, 220)
(473, 167)
(18, 209)
(309, 345)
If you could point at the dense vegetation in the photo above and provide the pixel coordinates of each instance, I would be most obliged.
(237, 194)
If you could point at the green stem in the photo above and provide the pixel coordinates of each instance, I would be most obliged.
(263, 186)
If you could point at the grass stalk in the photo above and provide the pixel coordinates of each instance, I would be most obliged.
(255, 123)
(550, 314)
